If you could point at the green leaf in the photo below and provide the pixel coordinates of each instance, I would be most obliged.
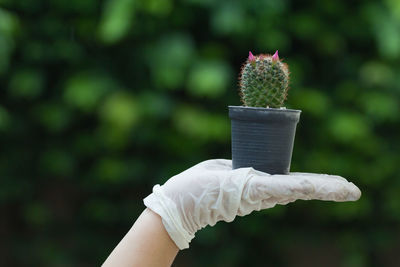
(209, 78)
(84, 90)
(116, 20)
(348, 127)
(120, 110)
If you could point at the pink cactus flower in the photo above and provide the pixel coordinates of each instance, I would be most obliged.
(251, 57)
(275, 57)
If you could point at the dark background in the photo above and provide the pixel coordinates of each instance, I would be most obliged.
(100, 100)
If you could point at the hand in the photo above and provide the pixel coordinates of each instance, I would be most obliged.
(211, 191)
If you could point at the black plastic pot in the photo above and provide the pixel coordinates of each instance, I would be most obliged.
(263, 138)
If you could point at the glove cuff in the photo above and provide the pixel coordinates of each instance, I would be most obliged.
(166, 208)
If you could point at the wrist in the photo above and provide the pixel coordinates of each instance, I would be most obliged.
(170, 217)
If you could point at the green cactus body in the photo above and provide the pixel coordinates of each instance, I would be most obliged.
(264, 81)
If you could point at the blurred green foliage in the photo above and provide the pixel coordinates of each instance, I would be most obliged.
(100, 100)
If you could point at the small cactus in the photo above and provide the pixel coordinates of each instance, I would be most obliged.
(264, 81)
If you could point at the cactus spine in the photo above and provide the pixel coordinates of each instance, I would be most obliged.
(264, 81)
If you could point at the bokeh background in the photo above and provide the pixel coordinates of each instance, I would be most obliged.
(100, 100)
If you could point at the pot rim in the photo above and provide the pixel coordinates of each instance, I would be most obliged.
(266, 109)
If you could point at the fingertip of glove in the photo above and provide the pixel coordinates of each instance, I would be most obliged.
(356, 194)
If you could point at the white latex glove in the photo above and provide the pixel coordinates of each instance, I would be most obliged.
(211, 191)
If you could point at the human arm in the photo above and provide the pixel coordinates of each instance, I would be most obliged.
(146, 244)
(210, 192)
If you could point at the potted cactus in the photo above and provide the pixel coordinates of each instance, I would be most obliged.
(263, 129)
